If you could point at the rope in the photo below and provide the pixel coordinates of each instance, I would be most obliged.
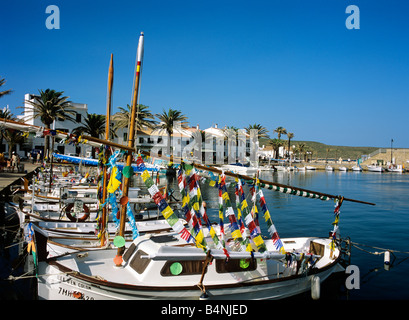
(355, 244)
(23, 276)
(14, 244)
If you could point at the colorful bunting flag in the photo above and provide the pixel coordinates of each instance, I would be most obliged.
(188, 181)
(31, 246)
(338, 203)
(189, 205)
(270, 225)
(248, 219)
(163, 206)
(224, 199)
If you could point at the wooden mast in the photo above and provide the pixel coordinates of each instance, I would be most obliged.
(104, 218)
(131, 142)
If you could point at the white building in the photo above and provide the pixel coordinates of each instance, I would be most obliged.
(37, 143)
(156, 141)
(215, 147)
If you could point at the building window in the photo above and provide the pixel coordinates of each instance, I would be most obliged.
(78, 117)
(140, 140)
(125, 136)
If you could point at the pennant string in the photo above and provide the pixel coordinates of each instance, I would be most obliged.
(163, 206)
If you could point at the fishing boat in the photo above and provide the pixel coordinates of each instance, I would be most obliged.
(280, 168)
(239, 168)
(395, 168)
(375, 168)
(160, 267)
(357, 168)
(265, 168)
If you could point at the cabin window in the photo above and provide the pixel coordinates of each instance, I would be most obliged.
(182, 268)
(139, 264)
(129, 252)
(317, 248)
(236, 265)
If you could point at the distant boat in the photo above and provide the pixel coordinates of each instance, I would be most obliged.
(239, 168)
(329, 168)
(375, 168)
(357, 168)
(280, 168)
(344, 169)
(395, 168)
(310, 168)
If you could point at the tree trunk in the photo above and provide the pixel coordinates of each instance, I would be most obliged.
(168, 146)
(46, 144)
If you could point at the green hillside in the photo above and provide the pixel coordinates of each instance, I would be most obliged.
(319, 150)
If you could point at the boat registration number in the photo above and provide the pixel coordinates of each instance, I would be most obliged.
(76, 294)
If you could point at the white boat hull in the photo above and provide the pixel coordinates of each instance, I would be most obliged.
(239, 169)
(93, 276)
(375, 169)
(66, 287)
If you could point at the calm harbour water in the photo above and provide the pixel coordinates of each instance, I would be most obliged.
(384, 225)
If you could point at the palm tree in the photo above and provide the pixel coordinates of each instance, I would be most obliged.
(3, 93)
(276, 144)
(167, 120)
(261, 131)
(13, 138)
(144, 118)
(301, 148)
(280, 131)
(49, 106)
(290, 135)
(94, 126)
(5, 114)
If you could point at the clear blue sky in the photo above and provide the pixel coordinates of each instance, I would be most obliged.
(278, 63)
